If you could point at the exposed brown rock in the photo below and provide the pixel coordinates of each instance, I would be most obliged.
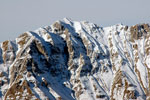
(17, 88)
(1, 74)
(126, 28)
(138, 31)
(5, 45)
(58, 28)
(24, 38)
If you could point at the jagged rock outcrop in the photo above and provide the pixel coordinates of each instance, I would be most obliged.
(72, 60)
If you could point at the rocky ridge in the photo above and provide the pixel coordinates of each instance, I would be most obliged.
(72, 60)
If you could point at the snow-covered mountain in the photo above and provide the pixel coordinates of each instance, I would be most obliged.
(73, 60)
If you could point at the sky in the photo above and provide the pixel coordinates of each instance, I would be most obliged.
(18, 16)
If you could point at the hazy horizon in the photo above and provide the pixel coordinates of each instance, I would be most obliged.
(18, 16)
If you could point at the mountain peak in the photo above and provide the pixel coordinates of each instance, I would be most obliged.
(72, 60)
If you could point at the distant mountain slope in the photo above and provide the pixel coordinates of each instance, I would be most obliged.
(72, 60)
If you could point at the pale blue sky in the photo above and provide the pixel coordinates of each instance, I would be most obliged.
(18, 16)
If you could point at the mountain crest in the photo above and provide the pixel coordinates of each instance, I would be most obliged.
(72, 60)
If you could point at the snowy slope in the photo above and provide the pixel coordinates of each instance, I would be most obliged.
(72, 60)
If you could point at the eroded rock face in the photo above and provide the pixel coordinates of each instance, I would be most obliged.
(72, 60)
(8, 52)
(138, 31)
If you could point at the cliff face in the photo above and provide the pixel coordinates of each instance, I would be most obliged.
(72, 60)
